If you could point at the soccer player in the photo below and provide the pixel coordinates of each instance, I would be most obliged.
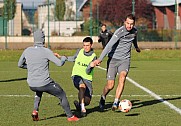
(36, 60)
(104, 35)
(119, 55)
(82, 74)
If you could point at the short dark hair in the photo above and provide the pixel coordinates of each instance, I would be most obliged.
(88, 39)
(103, 25)
(130, 16)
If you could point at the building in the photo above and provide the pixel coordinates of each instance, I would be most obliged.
(85, 8)
(43, 14)
(15, 25)
(165, 14)
(62, 28)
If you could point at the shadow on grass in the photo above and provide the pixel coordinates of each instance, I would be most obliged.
(133, 67)
(107, 107)
(52, 117)
(16, 79)
(138, 104)
(134, 114)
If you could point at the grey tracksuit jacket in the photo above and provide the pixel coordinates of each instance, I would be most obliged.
(36, 60)
(119, 46)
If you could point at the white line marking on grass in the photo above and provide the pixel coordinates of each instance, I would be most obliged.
(152, 94)
(71, 96)
(22, 95)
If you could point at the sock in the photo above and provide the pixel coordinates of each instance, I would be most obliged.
(103, 97)
(116, 100)
(82, 106)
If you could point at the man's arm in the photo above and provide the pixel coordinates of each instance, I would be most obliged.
(72, 58)
(91, 66)
(109, 46)
(99, 37)
(22, 62)
(58, 61)
(136, 45)
(110, 34)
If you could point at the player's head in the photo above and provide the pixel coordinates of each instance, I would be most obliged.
(87, 44)
(39, 37)
(103, 27)
(129, 22)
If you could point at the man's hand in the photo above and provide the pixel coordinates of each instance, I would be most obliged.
(92, 64)
(57, 55)
(97, 62)
(138, 50)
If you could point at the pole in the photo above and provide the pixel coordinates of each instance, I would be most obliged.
(97, 22)
(90, 26)
(5, 23)
(59, 20)
(76, 15)
(48, 23)
(176, 22)
(133, 7)
(33, 16)
(11, 14)
(54, 15)
(177, 16)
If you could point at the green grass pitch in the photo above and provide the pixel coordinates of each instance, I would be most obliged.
(157, 70)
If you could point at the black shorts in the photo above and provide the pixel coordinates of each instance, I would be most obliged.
(77, 80)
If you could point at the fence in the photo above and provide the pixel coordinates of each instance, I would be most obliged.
(78, 20)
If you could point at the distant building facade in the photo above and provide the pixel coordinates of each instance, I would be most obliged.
(85, 8)
(15, 25)
(165, 14)
(61, 28)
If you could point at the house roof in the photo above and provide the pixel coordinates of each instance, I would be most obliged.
(164, 2)
(82, 5)
(154, 3)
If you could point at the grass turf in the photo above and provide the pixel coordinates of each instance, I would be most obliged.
(157, 70)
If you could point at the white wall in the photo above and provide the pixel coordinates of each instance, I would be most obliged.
(63, 28)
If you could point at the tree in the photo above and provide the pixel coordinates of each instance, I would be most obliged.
(10, 9)
(114, 11)
(60, 9)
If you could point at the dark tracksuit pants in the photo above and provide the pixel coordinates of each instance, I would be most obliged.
(54, 89)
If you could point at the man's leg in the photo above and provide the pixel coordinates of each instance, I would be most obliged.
(37, 101)
(87, 100)
(121, 83)
(111, 75)
(107, 88)
(119, 90)
(55, 89)
(82, 89)
(123, 70)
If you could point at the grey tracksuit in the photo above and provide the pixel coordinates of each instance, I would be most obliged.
(119, 46)
(37, 63)
(36, 60)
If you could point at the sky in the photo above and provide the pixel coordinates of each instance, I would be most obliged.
(35, 3)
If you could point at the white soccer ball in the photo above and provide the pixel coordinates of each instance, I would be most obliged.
(125, 105)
